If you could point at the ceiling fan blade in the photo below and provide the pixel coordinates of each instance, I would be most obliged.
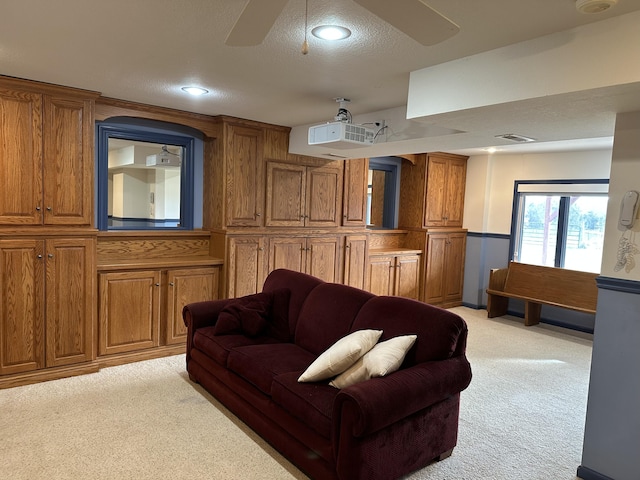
(414, 18)
(254, 22)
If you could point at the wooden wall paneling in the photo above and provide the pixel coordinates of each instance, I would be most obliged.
(214, 185)
(412, 193)
(276, 143)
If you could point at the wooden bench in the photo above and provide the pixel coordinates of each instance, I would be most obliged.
(538, 285)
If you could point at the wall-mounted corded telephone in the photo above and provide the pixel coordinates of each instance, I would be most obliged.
(629, 208)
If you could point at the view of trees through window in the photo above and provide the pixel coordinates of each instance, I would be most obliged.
(561, 231)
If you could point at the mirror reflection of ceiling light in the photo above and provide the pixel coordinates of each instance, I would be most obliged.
(331, 32)
(195, 91)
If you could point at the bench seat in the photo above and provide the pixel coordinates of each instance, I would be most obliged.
(538, 285)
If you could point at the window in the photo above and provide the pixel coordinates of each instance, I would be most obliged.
(560, 224)
(145, 178)
(383, 192)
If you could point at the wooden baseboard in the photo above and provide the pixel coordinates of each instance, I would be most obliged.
(140, 355)
(47, 374)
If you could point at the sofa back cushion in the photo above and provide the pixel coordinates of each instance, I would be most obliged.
(299, 286)
(327, 315)
(441, 333)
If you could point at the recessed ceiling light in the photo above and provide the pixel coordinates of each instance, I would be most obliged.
(195, 91)
(331, 32)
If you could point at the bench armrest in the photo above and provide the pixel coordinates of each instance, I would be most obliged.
(376, 403)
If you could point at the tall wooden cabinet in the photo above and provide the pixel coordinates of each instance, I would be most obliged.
(47, 244)
(46, 313)
(354, 209)
(431, 208)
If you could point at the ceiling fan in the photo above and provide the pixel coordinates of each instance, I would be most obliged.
(412, 17)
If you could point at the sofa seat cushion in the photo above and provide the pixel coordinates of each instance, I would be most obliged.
(218, 346)
(258, 364)
(312, 403)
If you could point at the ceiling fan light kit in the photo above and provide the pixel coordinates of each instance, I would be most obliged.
(594, 6)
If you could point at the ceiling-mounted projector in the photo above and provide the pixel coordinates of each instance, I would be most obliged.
(341, 135)
(163, 160)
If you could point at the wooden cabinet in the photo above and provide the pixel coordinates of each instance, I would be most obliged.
(184, 286)
(432, 191)
(317, 256)
(47, 293)
(244, 149)
(444, 275)
(135, 306)
(354, 208)
(394, 274)
(303, 196)
(355, 261)
(46, 148)
(246, 265)
(444, 199)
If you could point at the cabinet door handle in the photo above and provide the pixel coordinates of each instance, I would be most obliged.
(50, 255)
(171, 284)
(39, 256)
(48, 209)
(258, 214)
(38, 209)
(157, 284)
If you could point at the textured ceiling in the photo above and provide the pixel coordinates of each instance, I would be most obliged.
(145, 50)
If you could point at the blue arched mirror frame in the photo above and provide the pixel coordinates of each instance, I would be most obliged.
(106, 131)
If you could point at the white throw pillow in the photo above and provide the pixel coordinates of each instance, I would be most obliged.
(386, 357)
(341, 355)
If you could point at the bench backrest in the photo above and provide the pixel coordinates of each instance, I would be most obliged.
(554, 285)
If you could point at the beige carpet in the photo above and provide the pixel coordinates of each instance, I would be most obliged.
(521, 418)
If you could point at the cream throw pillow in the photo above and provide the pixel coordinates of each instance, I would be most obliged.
(386, 357)
(341, 355)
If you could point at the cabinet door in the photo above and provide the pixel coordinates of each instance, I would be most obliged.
(70, 300)
(246, 267)
(21, 306)
(407, 276)
(129, 311)
(20, 158)
(245, 183)
(434, 210)
(286, 186)
(323, 196)
(355, 261)
(287, 252)
(186, 286)
(454, 192)
(68, 169)
(454, 272)
(354, 209)
(323, 258)
(434, 282)
(381, 274)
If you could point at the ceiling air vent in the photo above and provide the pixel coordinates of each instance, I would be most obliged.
(516, 138)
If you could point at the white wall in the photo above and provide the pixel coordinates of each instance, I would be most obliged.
(490, 182)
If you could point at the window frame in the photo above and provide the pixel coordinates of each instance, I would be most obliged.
(552, 187)
(104, 132)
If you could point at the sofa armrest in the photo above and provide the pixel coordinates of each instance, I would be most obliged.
(202, 314)
(376, 403)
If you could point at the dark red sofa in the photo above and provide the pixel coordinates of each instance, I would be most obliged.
(381, 428)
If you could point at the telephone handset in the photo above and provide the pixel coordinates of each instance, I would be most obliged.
(629, 208)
